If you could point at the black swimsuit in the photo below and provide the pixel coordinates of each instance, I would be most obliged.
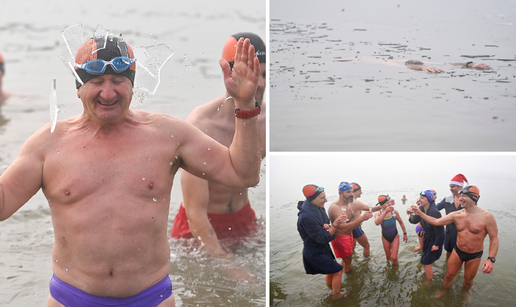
(467, 256)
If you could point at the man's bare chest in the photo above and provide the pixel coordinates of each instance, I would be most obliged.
(75, 170)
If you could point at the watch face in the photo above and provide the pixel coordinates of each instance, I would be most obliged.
(492, 259)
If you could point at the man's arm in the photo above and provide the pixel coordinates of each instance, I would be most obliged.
(445, 220)
(479, 66)
(238, 165)
(23, 178)
(492, 231)
(195, 201)
(418, 65)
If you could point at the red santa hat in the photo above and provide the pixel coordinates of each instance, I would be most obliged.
(459, 180)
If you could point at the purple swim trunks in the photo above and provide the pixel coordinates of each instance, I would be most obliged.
(72, 297)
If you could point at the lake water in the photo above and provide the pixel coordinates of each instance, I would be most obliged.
(30, 40)
(373, 281)
(339, 79)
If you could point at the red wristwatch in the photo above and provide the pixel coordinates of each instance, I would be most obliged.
(248, 114)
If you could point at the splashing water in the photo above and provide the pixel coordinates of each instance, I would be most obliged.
(54, 110)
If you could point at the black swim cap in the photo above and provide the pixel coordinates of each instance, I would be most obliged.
(472, 192)
(115, 47)
(229, 51)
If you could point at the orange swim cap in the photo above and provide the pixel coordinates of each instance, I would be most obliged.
(229, 51)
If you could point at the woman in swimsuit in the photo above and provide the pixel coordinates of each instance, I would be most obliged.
(390, 238)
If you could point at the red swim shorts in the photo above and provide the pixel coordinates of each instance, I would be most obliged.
(237, 224)
(343, 245)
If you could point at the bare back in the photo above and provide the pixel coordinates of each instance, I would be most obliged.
(217, 120)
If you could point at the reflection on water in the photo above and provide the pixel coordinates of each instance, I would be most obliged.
(344, 65)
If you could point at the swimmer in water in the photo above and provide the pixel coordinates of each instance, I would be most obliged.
(109, 191)
(211, 211)
(418, 65)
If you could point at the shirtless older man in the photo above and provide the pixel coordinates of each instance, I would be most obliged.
(473, 225)
(211, 210)
(108, 174)
(343, 243)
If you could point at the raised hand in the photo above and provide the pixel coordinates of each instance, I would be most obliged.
(242, 81)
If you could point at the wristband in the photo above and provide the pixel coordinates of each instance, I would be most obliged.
(248, 114)
(467, 63)
(405, 233)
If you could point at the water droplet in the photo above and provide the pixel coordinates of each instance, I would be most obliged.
(155, 199)
(204, 162)
(171, 163)
(161, 295)
(229, 228)
(57, 260)
(176, 157)
(143, 178)
(58, 152)
(172, 135)
(209, 148)
(139, 249)
(66, 269)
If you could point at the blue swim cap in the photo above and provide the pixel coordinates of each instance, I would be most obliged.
(429, 195)
(344, 186)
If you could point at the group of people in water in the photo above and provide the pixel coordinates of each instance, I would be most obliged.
(467, 225)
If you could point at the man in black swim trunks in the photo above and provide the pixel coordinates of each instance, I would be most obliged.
(358, 234)
(473, 225)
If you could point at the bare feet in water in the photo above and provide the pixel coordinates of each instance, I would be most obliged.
(417, 249)
(439, 294)
(340, 295)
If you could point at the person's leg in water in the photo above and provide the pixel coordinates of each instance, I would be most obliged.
(334, 281)
(470, 271)
(453, 266)
(429, 275)
(346, 263)
(365, 244)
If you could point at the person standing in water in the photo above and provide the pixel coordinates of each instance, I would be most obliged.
(316, 233)
(108, 173)
(473, 225)
(211, 211)
(434, 235)
(343, 243)
(451, 204)
(387, 219)
(359, 234)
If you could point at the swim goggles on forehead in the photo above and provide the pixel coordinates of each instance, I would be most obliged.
(97, 67)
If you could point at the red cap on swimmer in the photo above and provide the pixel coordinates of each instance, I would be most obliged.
(2, 63)
(104, 56)
(229, 51)
(311, 191)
